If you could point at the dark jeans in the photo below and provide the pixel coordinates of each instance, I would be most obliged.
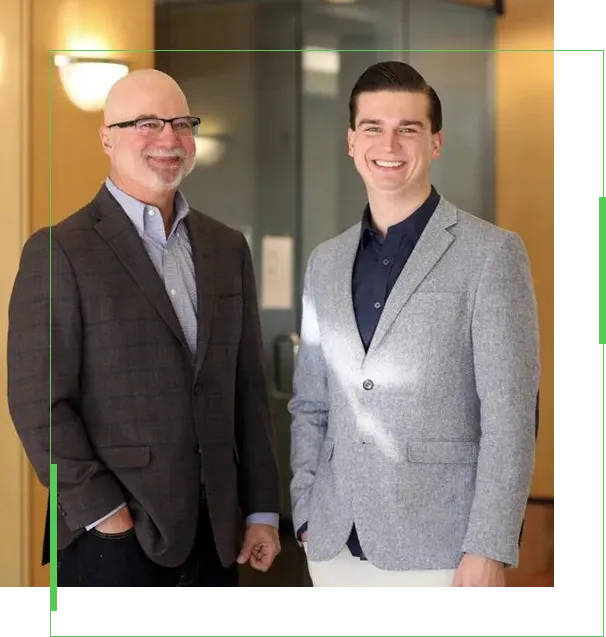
(97, 559)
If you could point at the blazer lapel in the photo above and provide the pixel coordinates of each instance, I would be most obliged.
(432, 244)
(202, 254)
(117, 230)
(345, 317)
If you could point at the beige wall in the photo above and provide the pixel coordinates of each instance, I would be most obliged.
(220, 88)
(524, 104)
(13, 103)
(78, 163)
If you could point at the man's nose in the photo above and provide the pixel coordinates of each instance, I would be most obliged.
(167, 136)
(391, 140)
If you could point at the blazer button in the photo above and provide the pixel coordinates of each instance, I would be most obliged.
(368, 384)
(197, 390)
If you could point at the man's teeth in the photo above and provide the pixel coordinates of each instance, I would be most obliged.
(389, 164)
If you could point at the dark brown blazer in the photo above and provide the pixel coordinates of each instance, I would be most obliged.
(134, 416)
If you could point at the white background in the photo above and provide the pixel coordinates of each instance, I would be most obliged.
(25, 614)
(582, 24)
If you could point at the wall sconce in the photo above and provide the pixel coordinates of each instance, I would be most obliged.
(321, 60)
(209, 149)
(321, 68)
(87, 80)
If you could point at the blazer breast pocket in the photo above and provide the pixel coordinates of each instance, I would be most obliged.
(230, 295)
(436, 300)
(441, 317)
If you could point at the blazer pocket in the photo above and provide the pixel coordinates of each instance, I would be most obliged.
(127, 457)
(443, 451)
(113, 536)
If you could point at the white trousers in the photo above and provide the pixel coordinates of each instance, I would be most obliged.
(347, 570)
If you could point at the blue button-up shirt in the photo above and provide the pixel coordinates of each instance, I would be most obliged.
(171, 255)
(380, 261)
(172, 258)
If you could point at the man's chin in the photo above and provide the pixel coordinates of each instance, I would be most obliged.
(169, 180)
(392, 188)
(161, 184)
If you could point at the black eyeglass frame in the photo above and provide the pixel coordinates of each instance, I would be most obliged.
(133, 122)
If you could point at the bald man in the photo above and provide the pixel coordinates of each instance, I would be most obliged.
(161, 430)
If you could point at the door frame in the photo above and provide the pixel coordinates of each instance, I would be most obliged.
(15, 550)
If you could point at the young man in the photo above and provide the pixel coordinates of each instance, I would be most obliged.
(417, 376)
(160, 415)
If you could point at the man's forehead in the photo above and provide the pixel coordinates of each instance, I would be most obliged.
(392, 105)
(129, 101)
(136, 111)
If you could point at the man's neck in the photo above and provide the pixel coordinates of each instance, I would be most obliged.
(164, 200)
(387, 211)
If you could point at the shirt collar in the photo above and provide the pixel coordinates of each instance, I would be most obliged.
(412, 226)
(135, 209)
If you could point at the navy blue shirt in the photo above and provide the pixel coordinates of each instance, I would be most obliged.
(380, 261)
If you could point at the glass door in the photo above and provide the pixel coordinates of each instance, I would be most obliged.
(272, 153)
(248, 173)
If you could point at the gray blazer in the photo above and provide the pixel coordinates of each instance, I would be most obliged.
(426, 441)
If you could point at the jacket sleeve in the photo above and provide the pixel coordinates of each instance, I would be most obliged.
(506, 362)
(309, 407)
(44, 351)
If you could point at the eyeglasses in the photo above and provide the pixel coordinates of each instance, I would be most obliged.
(155, 125)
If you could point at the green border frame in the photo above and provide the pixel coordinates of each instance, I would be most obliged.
(579, 187)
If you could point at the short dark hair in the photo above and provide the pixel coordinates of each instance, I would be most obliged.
(395, 76)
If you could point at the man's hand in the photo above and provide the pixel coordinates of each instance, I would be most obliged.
(475, 570)
(119, 522)
(261, 546)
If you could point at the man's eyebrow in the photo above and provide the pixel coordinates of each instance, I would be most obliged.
(403, 122)
(412, 122)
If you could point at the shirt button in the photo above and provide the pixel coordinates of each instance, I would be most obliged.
(197, 389)
(377, 305)
(173, 292)
(152, 213)
(385, 261)
(368, 384)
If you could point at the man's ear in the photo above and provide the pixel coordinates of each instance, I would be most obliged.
(350, 142)
(106, 140)
(437, 141)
